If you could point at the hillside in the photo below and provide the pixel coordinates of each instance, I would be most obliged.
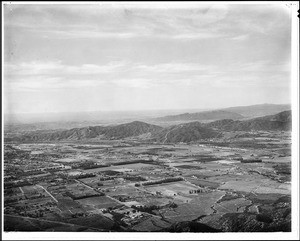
(188, 132)
(134, 128)
(202, 116)
(281, 121)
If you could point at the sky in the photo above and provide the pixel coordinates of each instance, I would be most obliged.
(150, 56)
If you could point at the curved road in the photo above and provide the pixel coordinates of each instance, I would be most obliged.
(166, 136)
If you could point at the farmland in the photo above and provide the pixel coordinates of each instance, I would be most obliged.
(137, 186)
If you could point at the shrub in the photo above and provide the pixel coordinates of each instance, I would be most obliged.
(264, 218)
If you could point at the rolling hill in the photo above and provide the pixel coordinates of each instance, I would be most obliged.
(112, 132)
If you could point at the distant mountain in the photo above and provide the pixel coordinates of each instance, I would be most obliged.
(202, 116)
(258, 110)
(187, 132)
(135, 128)
(62, 119)
(72, 134)
(281, 121)
(233, 113)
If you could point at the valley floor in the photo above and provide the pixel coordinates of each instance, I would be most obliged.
(241, 185)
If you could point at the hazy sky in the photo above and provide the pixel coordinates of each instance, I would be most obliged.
(112, 56)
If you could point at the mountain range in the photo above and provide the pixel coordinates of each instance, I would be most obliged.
(202, 116)
(185, 132)
(252, 111)
(234, 113)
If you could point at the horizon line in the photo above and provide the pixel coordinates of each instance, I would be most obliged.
(141, 110)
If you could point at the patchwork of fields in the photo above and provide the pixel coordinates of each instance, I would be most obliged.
(143, 187)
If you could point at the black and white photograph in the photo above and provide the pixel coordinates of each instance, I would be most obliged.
(150, 120)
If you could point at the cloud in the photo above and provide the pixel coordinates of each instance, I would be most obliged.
(192, 48)
(184, 22)
(173, 67)
(84, 34)
(240, 37)
(58, 68)
(116, 21)
(262, 66)
(55, 75)
(35, 76)
(95, 34)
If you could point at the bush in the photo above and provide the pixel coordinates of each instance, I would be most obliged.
(264, 218)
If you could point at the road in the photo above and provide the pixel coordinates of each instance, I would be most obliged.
(114, 199)
(84, 184)
(21, 190)
(96, 191)
(166, 136)
(48, 193)
(255, 189)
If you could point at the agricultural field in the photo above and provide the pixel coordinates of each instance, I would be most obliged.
(183, 212)
(171, 189)
(207, 200)
(237, 205)
(101, 186)
(101, 202)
